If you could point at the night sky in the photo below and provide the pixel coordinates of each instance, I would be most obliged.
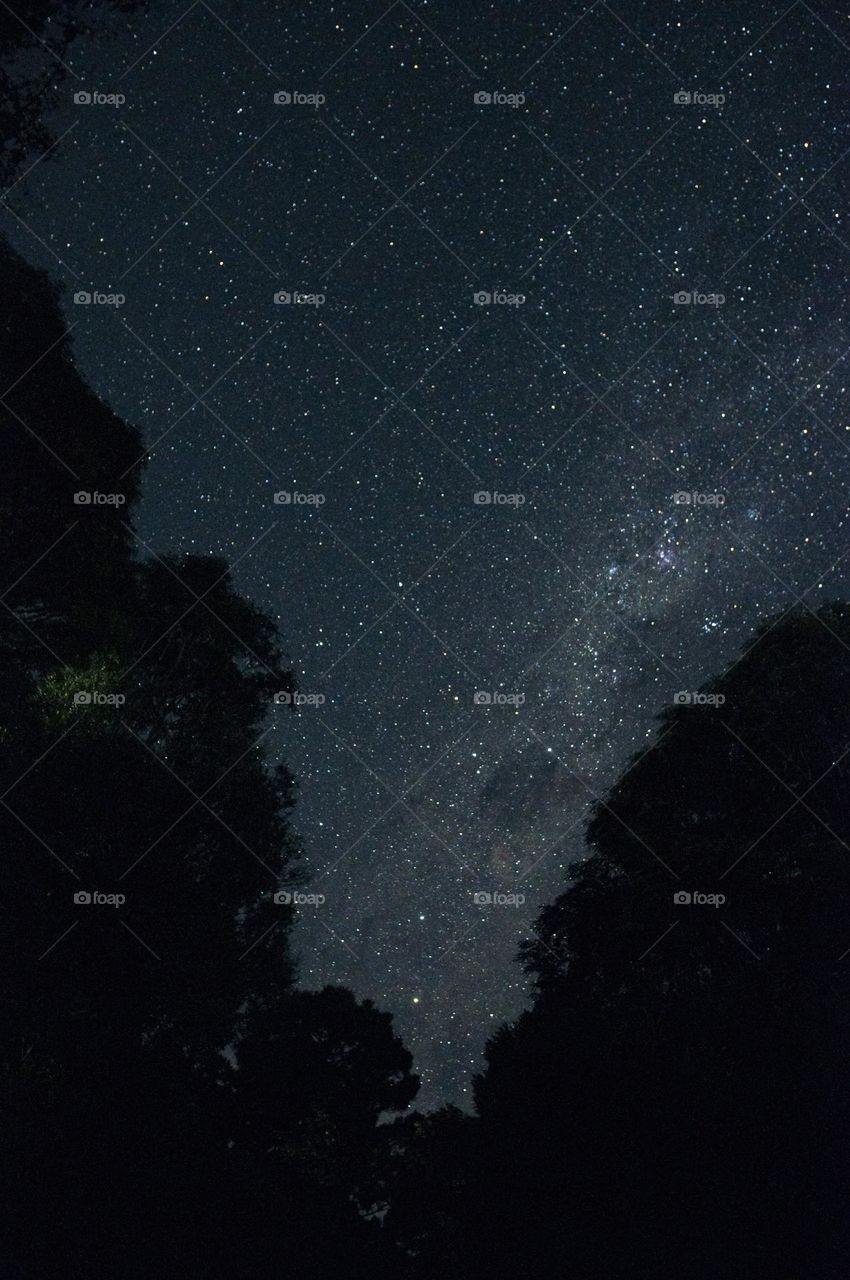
(587, 592)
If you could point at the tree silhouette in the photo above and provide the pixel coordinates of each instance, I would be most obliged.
(162, 1076)
(34, 41)
(170, 1103)
(675, 1102)
(313, 1079)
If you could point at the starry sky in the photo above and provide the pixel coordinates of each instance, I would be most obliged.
(658, 475)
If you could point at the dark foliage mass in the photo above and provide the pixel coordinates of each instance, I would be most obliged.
(171, 1101)
(672, 1103)
(673, 1098)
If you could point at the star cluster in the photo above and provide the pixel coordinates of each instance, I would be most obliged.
(516, 526)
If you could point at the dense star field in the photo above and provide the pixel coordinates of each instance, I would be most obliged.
(476, 219)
